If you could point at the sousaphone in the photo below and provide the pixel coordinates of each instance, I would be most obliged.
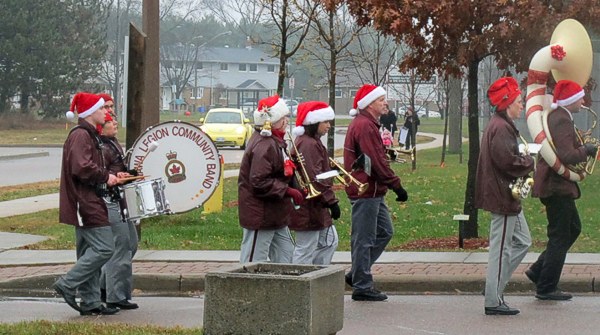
(569, 56)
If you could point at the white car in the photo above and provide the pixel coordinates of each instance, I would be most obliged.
(293, 106)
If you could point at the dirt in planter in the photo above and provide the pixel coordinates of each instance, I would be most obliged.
(283, 271)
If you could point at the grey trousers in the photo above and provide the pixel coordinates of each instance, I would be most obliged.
(509, 242)
(372, 230)
(94, 247)
(263, 245)
(315, 246)
(117, 273)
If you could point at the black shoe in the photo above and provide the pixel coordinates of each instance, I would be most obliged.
(368, 295)
(69, 298)
(531, 276)
(100, 311)
(123, 304)
(348, 279)
(554, 295)
(102, 295)
(501, 310)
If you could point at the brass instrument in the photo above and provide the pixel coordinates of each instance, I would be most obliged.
(302, 178)
(397, 152)
(342, 179)
(521, 187)
(586, 137)
(568, 56)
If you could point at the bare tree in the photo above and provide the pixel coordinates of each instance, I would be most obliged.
(335, 29)
(373, 56)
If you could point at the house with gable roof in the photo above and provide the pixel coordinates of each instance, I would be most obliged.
(224, 77)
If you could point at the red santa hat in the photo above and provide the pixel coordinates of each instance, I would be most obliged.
(107, 118)
(312, 112)
(105, 96)
(566, 92)
(85, 104)
(365, 96)
(503, 92)
(270, 109)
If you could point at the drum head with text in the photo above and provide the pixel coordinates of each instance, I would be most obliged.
(184, 156)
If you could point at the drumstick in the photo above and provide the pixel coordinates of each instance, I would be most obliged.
(132, 178)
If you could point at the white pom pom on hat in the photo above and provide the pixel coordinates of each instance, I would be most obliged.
(70, 115)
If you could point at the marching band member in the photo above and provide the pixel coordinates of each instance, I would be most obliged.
(558, 194)
(263, 187)
(371, 222)
(316, 236)
(116, 281)
(499, 165)
(83, 181)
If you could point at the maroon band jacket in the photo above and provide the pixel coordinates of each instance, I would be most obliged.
(569, 151)
(314, 213)
(363, 138)
(500, 164)
(262, 185)
(82, 169)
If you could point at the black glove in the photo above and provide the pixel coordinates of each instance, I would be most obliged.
(133, 172)
(591, 149)
(401, 194)
(335, 211)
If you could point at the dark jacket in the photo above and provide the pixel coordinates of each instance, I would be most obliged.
(314, 213)
(363, 137)
(500, 163)
(408, 122)
(388, 121)
(569, 151)
(113, 155)
(82, 170)
(262, 185)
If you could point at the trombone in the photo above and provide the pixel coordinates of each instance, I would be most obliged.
(342, 179)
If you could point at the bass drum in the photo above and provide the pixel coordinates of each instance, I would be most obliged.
(184, 157)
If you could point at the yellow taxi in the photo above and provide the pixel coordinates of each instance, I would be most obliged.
(227, 127)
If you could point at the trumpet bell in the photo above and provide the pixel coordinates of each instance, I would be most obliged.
(574, 39)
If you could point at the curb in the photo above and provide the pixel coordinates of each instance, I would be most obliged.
(147, 284)
(25, 155)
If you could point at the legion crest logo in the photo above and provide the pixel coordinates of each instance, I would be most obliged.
(174, 170)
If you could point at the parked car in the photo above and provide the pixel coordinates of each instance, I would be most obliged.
(227, 127)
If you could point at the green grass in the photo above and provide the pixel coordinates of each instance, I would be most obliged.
(436, 194)
(90, 328)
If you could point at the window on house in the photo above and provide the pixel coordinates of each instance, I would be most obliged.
(338, 93)
(353, 93)
(253, 68)
(270, 68)
(224, 67)
(197, 92)
(242, 67)
(199, 66)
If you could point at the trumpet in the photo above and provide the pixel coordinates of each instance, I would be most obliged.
(521, 187)
(302, 178)
(337, 166)
(586, 137)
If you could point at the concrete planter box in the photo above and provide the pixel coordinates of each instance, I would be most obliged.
(267, 298)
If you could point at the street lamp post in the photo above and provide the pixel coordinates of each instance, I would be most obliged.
(210, 100)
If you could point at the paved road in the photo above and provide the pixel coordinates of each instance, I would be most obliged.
(400, 315)
(21, 165)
